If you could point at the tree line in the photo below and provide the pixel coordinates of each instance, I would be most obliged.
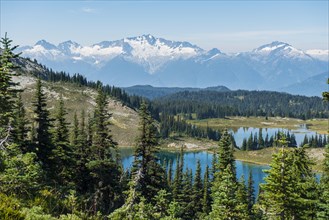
(212, 104)
(50, 169)
(170, 125)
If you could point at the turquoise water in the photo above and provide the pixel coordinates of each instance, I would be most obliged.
(190, 161)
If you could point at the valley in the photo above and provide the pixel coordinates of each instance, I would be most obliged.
(130, 134)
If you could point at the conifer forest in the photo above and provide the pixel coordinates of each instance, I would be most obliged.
(53, 167)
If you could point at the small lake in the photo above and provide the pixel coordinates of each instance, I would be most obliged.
(190, 161)
(244, 132)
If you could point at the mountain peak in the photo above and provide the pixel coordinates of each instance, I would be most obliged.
(272, 46)
(214, 51)
(67, 46)
(45, 44)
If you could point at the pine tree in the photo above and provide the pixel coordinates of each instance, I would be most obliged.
(250, 195)
(278, 193)
(260, 139)
(197, 191)
(214, 167)
(267, 144)
(206, 193)
(225, 202)
(244, 144)
(82, 154)
(20, 129)
(43, 145)
(250, 142)
(105, 173)
(241, 208)
(305, 141)
(223, 195)
(185, 197)
(75, 130)
(62, 154)
(169, 175)
(8, 92)
(178, 177)
(145, 162)
(90, 130)
(225, 153)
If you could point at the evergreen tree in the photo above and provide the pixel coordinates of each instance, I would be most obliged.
(224, 190)
(145, 162)
(290, 190)
(75, 130)
(244, 144)
(266, 143)
(225, 153)
(241, 208)
(105, 173)
(90, 130)
(177, 184)
(43, 145)
(250, 141)
(7, 87)
(260, 139)
(250, 195)
(185, 198)
(206, 193)
(305, 141)
(20, 175)
(306, 187)
(82, 154)
(214, 167)
(20, 129)
(223, 195)
(169, 175)
(197, 191)
(62, 154)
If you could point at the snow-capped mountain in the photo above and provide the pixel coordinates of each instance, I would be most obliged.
(159, 62)
(280, 64)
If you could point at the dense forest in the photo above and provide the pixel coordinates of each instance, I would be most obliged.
(50, 169)
(212, 104)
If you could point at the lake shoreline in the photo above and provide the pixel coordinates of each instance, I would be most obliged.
(256, 157)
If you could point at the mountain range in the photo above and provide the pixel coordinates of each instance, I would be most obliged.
(147, 60)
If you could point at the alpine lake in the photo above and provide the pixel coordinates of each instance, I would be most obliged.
(206, 157)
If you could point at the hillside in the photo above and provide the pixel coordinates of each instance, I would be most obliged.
(307, 87)
(77, 98)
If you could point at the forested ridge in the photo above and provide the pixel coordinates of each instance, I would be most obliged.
(51, 169)
(212, 104)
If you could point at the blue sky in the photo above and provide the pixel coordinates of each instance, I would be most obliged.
(231, 26)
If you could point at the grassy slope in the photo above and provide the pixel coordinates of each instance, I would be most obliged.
(124, 120)
(264, 156)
